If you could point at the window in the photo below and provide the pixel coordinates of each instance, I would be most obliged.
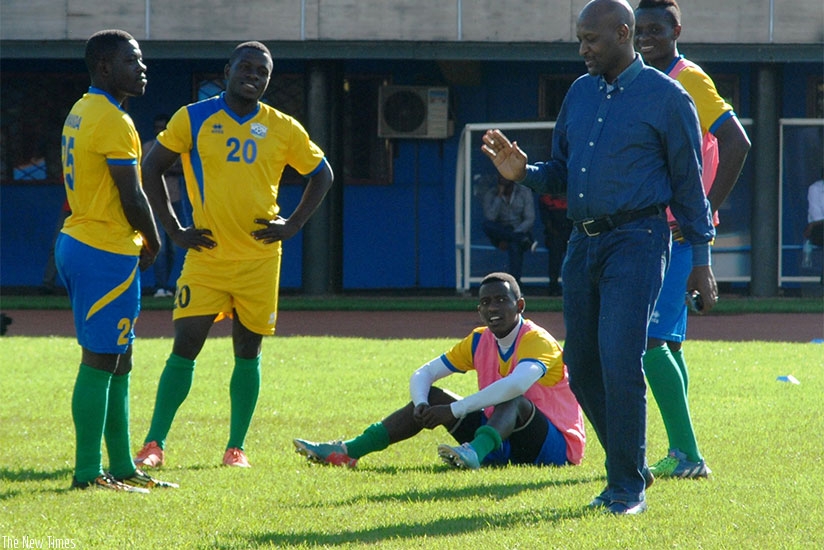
(367, 159)
(32, 112)
(552, 90)
(727, 86)
(815, 97)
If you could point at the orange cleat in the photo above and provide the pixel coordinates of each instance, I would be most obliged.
(235, 457)
(150, 456)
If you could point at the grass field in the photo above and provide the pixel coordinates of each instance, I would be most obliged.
(761, 437)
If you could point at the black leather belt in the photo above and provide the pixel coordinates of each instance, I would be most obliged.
(596, 226)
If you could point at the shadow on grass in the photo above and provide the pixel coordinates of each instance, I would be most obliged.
(497, 491)
(28, 474)
(445, 527)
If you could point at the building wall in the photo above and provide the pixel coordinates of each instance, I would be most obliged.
(489, 54)
(399, 235)
(707, 21)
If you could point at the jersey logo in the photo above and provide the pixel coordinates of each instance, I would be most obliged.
(73, 121)
(217, 128)
(259, 130)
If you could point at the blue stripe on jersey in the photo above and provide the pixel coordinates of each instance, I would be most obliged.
(198, 113)
(239, 120)
(720, 121)
(121, 162)
(449, 365)
(534, 362)
(110, 97)
(476, 339)
(317, 169)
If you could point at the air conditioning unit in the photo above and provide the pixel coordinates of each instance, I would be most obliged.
(413, 112)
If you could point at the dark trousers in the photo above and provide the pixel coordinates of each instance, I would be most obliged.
(611, 283)
(557, 228)
(515, 244)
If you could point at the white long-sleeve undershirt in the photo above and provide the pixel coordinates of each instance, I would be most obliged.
(525, 374)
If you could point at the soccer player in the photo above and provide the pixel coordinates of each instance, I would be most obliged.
(105, 242)
(523, 413)
(724, 149)
(234, 149)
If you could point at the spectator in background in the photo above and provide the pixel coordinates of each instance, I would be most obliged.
(557, 228)
(166, 261)
(33, 167)
(509, 213)
(814, 232)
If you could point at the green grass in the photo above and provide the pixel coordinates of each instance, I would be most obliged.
(761, 437)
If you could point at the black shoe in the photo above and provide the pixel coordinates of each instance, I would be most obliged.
(106, 481)
(601, 501)
(621, 508)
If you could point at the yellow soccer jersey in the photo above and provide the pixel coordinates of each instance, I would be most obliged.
(97, 134)
(233, 167)
(712, 108)
(535, 344)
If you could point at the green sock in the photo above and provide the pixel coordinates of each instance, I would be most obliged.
(244, 389)
(667, 385)
(682, 366)
(487, 439)
(89, 403)
(117, 428)
(174, 386)
(374, 438)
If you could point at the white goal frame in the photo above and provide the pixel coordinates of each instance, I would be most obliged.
(463, 197)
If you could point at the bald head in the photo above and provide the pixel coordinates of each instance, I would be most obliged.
(605, 35)
(617, 12)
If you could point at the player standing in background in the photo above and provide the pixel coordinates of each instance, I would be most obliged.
(234, 149)
(724, 149)
(108, 236)
(523, 413)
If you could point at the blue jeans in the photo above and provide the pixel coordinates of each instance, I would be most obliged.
(169, 261)
(611, 282)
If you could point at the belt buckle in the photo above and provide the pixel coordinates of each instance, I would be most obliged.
(585, 226)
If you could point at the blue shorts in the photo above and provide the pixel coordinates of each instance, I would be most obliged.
(538, 442)
(104, 289)
(669, 319)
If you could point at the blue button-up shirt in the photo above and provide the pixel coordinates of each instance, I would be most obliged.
(625, 146)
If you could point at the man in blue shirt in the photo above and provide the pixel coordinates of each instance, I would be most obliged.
(626, 144)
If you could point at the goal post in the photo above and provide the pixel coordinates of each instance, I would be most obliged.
(474, 254)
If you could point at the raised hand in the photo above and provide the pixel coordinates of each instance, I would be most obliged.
(507, 157)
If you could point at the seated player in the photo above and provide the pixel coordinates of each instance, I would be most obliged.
(523, 413)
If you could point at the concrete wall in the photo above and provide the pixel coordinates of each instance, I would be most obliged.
(544, 21)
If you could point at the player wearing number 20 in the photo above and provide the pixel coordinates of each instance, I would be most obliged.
(233, 150)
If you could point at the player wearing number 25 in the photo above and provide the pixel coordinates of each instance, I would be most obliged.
(233, 150)
(109, 234)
